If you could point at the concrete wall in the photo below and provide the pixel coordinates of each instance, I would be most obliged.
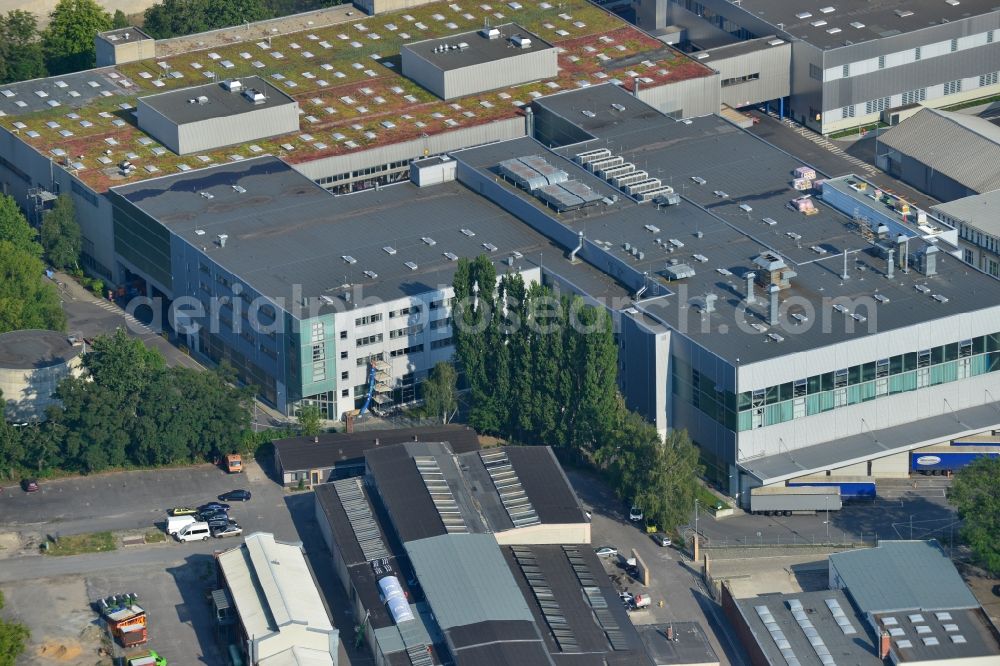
(116, 53)
(463, 137)
(28, 392)
(569, 533)
(515, 69)
(643, 369)
(685, 99)
(772, 64)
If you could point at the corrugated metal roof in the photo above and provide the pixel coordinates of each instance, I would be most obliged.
(466, 580)
(272, 586)
(964, 148)
(977, 211)
(297, 656)
(902, 575)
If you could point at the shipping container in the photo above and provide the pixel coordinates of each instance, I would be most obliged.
(944, 458)
(781, 500)
(851, 487)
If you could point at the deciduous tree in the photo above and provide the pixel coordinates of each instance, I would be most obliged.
(21, 56)
(976, 494)
(119, 20)
(13, 639)
(27, 300)
(14, 227)
(122, 365)
(60, 234)
(310, 420)
(441, 392)
(68, 41)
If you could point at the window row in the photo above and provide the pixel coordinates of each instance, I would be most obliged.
(368, 319)
(368, 340)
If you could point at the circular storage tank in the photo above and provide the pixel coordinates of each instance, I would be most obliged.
(32, 363)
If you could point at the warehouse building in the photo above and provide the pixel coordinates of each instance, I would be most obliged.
(282, 618)
(790, 336)
(316, 310)
(853, 59)
(448, 570)
(978, 228)
(751, 72)
(947, 155)
(880, 608)
(32, 363)
(331, 456)
(215, 115)
(123, 45)
(477, 61)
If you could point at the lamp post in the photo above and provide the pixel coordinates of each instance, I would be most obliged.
(826, 506)
(695, 549)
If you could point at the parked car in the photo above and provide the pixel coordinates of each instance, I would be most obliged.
(635, 514)
(230, 529)
(212, 506)
(235, 496)
(29, 485)
(183, 511)
(660, 539)
(176, 523)
(606, 551)
(218, 521)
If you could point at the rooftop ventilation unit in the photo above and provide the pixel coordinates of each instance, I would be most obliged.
(239, 189)
(902, 13)
(222, 239)
(857, 24)
(469, 232)
(201, 99)
(678, 272)
(233, 85)
(207, 195)
(348, 258)
(826, 10)
(412, 266)
(371, 274)
(450, 256)
(428, 240)
(617, 107)
(521, 42)
(462, 46)
(490, 247)
(775, 42)
(388, 249)
(254, 96)
(490, 33)
(802, 16)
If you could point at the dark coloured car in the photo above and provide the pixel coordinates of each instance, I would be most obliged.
(29, 485)
(231, 529)
(218, 521)
(212, 506)
(235, 496)
(206, 516)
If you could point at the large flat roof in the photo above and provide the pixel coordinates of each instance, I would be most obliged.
(33, 349)
(212, 100)
(345, 77)
(478, 49)
(977, 211)
(719, 238)
(878, 18)
(773, 613)
(285, 230)
(303, 453)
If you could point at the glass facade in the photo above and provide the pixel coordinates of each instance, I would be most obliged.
(763, 407)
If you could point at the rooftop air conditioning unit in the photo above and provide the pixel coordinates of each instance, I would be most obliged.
(490, 33)
(202, 99)
(255, 96)
(233, 85)
(521, 42)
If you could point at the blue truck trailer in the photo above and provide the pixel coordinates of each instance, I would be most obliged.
(945, 459)
(851, 487)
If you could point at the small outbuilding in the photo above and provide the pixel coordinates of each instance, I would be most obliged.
(32, 363)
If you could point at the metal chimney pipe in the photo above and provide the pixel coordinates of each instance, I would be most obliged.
(888, 264)
(751, 297)
(845, 275)
(572, 255)
(772, 312)
(635, 83)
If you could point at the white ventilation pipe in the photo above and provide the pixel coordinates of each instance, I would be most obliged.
(572, 255)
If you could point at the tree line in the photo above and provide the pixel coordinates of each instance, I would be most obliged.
(543, 369)
(173, 18)
(975, 493)
(130, 410)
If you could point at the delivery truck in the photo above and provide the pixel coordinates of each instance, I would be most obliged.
(948, 459)
(786, 501)
(851, 487)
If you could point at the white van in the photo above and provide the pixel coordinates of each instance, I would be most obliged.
(194, 532)
(175, 523)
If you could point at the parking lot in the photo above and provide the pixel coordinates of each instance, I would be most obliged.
(52, 595)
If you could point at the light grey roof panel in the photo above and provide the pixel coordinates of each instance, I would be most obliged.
(979, 211)
(964, 148)
(902, 575)
(466, 580)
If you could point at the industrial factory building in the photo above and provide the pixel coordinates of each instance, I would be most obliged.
(443, 567)
(854, 59)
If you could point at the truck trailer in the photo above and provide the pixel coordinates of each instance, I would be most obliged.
(945, 459)
(851, 487)
(785, 501)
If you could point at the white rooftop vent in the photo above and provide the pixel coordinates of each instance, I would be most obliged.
(490, 33)
(958, 639)
(827, 10)
(451, 256)
(857, 24)
(428, 240)
(222, 239)
(803, 15)
(254, 96)
(207, 195)
(202, 99)
(832, 31)
(233, 85)
(348, 258)
(902, 13)
(881, 298)
(521, 42)
(412, 266)
(199, 232)
(462, 46)
(469, 232)
(774, 337)
(239, 189)
(388, 249)
(769, 221)
(953, 3)
(818, 23)
(617, 107)
(775, 42)
(939, 298)
(490, 247)
(371, 274)
(701, 55)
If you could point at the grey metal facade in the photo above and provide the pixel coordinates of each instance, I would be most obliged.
(212, 133)
(752, 76)
(690, 98)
